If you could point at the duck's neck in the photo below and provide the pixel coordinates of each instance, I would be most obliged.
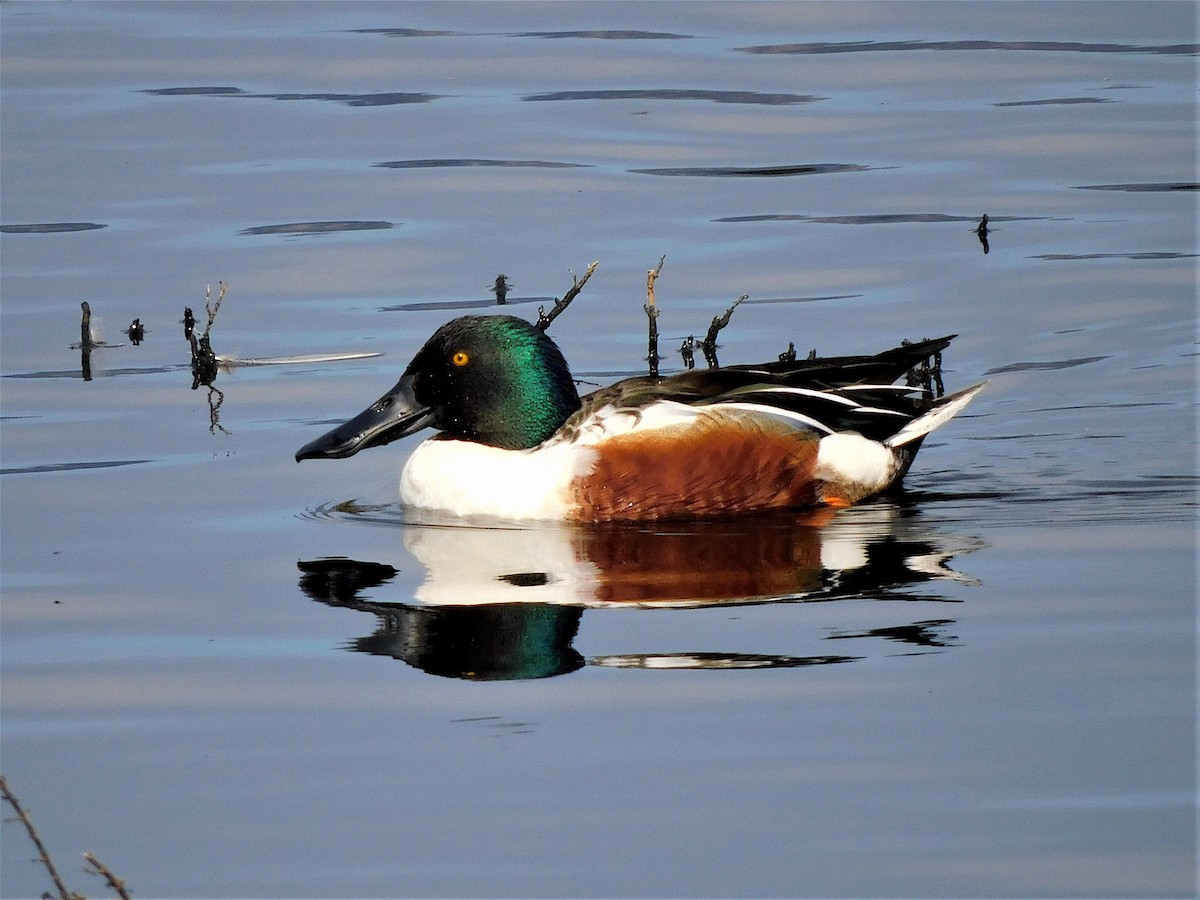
(534, 415)
(530, 404)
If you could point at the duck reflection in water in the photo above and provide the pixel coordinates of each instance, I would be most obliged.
(506, 603)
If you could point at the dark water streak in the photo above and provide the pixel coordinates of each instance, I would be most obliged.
(392, 98)
(911, 46)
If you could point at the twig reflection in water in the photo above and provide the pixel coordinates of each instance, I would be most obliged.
(506, 603)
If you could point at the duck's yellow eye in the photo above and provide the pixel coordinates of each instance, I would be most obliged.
(460, 358)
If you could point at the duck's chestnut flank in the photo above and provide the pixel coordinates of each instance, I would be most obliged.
(721, 464)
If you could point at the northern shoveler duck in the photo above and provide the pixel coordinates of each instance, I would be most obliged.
(516, 440)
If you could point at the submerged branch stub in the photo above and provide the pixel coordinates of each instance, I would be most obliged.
(501, 289)
(544, 319)
(688, 351)
(709, 344)
(204, 362)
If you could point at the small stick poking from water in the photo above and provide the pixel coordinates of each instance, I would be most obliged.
(652, 356)
(85, 342)
(981, 232)
(500, 289)
(85, 327)
(544, 318)
(709, 344)
(688, 351)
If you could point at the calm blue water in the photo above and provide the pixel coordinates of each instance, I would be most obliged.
(229, 675)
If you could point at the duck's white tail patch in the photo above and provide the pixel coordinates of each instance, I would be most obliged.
(922, 425)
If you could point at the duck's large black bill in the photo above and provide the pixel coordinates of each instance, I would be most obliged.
(393, 416)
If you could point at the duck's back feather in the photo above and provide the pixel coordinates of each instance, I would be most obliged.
(869, 378)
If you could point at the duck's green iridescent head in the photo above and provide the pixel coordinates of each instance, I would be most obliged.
(495, 380)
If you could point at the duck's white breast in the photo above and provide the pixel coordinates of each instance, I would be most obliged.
(467, 479)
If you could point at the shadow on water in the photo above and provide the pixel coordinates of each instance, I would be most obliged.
(757, 171)
(506, 603)
(477, 164)
(50, 227)
(1144, 187)
(316, 228)
(755, 98)
(595, 34)
(823, 47)
(392, 98)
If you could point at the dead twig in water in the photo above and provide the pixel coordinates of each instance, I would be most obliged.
(544, 319)
(117, 884)
(709, 344)
(204, 360)
(652, 356)
(215, 308)
(64, 892)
